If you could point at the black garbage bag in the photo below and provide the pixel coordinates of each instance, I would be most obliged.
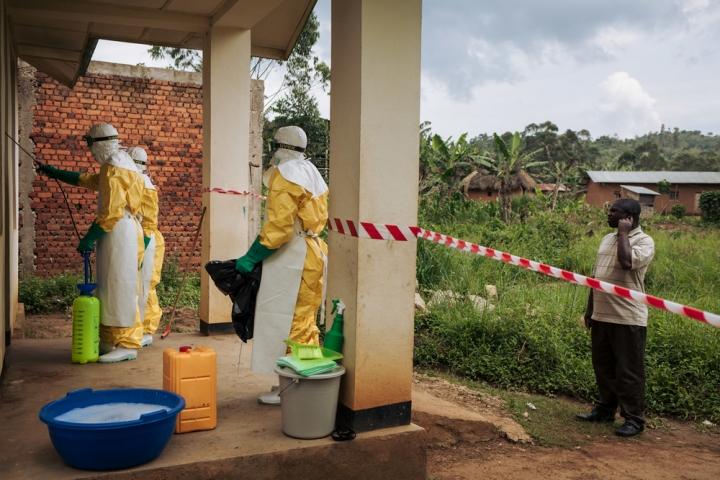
(242, 290)
(223, 273)
(243, 308)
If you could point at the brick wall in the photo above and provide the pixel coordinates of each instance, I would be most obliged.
(157, 109)
(598, 194)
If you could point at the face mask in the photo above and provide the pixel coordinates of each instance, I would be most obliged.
(142, 168)
(281, 155)
(102, 150)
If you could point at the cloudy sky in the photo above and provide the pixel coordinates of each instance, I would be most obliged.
(612, 66)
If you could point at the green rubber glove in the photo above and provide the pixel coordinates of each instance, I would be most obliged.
(88, 241)
(73, 178)
(146, 240)
(256, 254)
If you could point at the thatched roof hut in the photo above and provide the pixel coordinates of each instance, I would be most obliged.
(481, 182)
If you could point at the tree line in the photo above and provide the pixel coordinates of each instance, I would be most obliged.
(565, 156)
(550, 155)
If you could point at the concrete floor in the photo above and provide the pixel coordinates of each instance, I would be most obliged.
(248, 441)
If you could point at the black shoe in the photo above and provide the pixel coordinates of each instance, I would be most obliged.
(596, 416)
(629, 429)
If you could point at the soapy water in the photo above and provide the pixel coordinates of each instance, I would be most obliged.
(109, 412)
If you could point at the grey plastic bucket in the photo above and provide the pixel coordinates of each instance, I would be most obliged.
(309, 404)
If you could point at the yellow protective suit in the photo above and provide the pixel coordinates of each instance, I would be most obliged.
(286, 203)
(149, 210)
(120, 191)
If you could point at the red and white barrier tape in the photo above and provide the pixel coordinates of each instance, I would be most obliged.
(399, 233)
(376, 231)
(234, 192)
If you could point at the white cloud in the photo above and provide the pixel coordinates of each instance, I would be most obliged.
(612, 40)
(693, 6)
(701, 14)
(514, 62)
(627, 106)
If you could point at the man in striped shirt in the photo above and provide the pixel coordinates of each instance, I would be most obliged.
(618, 325)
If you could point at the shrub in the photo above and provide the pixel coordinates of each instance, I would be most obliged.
(47, 295)
(56, 294)
(710, 206)
(664, 187)
(678, 210)
(169, 285)
(533, 340)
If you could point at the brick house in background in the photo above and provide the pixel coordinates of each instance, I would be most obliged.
(158, 109)
(685, 188)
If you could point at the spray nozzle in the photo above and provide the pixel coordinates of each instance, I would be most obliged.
(338, 306)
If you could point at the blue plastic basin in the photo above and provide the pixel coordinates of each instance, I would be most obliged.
(111, 446)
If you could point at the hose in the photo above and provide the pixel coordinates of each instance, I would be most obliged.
(62, 190)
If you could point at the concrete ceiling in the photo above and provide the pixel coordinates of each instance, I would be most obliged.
(59, 36)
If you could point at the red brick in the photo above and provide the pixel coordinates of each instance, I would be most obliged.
(163, 118)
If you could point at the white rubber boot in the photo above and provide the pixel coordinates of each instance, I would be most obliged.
(118, 355)
(106, 348)
(271, 398)
(147, 340)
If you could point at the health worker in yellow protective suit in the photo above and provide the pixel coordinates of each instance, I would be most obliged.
(292, 254)
(118, 234)
(154, 250)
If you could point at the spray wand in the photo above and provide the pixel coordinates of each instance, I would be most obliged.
(38, 164)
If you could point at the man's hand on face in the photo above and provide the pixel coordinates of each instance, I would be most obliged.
(625, 225)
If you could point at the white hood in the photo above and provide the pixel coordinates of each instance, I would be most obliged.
(148, 183)
(297, 169)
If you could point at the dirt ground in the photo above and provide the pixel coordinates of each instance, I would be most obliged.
(59, 325)
(666, 450)
(463, 447)
(678, 454)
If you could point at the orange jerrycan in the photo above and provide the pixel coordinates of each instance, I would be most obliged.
(191, 373)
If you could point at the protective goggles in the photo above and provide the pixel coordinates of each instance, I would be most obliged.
(288, 147)
(90, 140)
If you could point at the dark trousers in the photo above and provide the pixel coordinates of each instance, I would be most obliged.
(618, 358)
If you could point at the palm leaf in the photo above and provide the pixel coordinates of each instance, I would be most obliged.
(501, 146)
(535, 164)
(515, 145)
(462, 139)
(485, 161)
(440, 146)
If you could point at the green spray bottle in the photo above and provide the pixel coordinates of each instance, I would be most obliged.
(85, 320)
(334, 338)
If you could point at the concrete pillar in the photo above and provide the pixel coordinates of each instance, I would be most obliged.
(8, 185)
(257, 99)
(226, 149)
(375, 113)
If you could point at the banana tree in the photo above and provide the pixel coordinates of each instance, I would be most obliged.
(507, 161)
(444, 162)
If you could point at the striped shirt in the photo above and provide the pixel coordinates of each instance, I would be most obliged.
(613, 309)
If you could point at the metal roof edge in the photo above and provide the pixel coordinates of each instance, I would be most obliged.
(90, 46)
(656, 176)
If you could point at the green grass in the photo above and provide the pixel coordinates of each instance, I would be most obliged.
(534, 339)
(56, 294)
